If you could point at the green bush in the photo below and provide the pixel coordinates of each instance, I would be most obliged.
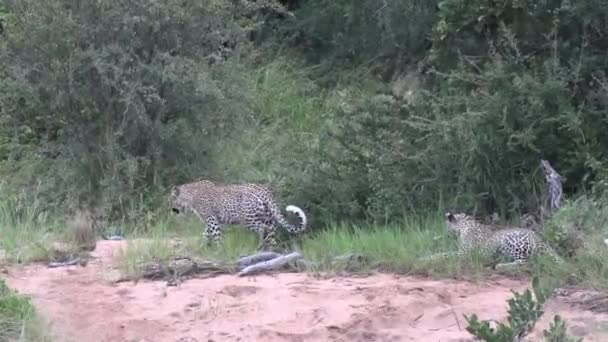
(110, 101)
(577, 221)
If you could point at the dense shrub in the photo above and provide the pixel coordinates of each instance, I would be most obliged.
(475, 134)
(504, 85)
(334, 34)
(108, 101)
(111, 102)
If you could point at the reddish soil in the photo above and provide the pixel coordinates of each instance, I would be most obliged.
(84, 305)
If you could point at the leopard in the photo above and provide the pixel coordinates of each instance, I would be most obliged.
(515, 244)
(250, 205)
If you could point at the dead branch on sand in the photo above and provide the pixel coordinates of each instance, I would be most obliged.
(554, 184)
(70, 262)
(270, 265)
(261, 262)
(178, 267)
(256, 258)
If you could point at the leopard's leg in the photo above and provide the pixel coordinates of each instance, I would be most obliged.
(264, 234)
(213, 232)
(270, 234)
(259, 219)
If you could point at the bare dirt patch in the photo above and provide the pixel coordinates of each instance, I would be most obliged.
(84, 305)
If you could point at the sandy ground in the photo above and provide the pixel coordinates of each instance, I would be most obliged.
(85, 306)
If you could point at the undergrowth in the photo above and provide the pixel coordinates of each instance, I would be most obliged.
(18, 319)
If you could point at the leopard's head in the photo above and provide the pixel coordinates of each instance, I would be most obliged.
(176, 200)
(459, 224)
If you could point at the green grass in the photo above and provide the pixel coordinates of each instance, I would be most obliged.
(18, 319)
(387, 248)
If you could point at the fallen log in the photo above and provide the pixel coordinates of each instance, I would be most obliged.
(177, 267)
(270, 265)
(113, 238)
(256, 258)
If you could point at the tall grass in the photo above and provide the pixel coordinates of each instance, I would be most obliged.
(25, 230)
(288, 109)
(390, 248)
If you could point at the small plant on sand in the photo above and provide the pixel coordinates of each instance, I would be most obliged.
(524, 311)
(78, 238)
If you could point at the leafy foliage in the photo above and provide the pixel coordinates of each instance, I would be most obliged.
(492, 104)
(524, 311)
(557, 332)
(118, 99)
(586, 216)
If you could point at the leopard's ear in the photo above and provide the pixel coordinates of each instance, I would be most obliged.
(450, 217)
(174, 191)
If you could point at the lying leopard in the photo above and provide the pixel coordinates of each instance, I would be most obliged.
(251, 205)
(514, 244)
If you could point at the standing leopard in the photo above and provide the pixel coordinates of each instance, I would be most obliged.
(251, 205)
(514, 244)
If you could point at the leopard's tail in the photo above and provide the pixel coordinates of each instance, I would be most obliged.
(291, 228)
